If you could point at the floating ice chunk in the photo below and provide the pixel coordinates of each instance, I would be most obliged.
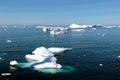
(38, 26)
(100, 64)
(44, 29)
(79, 26)
(118, 56)
(35, 57)
(78, 30)
(58, 49)
(13, 63)
(8, 41)
(6, 74)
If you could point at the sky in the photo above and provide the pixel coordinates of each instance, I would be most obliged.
(61, 12)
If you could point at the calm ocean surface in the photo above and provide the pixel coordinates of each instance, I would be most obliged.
(94, 55)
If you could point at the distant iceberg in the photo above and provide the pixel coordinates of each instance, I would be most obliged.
(8, 41)
(41, 53)
(79, 26)
(78, 30)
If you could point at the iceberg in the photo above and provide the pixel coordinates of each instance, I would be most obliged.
(13, 62)
(79, 26)
(44, 58)
(78, 30)
(8, 41)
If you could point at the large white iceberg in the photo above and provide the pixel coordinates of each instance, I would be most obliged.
(43, 57)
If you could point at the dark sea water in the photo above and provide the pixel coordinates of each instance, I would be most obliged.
(94, 55)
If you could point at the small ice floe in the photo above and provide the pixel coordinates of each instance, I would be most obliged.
(6, 74)
(78, 30)
(118, 56)
(103, 34)
(58, 49)
(8, 41)
(13, 63)
(0, 58)
(100, 65)
(56, 32)
(44, 29)
(79, 26)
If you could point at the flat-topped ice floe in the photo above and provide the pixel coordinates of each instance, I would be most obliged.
(58, 49)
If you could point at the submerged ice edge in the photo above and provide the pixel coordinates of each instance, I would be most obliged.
(64, 69)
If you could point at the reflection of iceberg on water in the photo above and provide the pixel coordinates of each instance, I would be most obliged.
(44, 60)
